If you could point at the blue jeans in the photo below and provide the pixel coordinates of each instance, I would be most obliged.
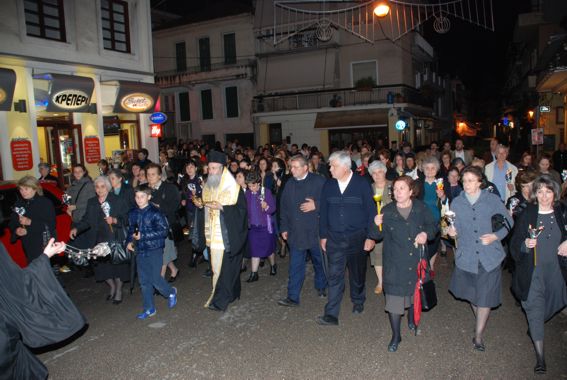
(149, 275)
(297, 271)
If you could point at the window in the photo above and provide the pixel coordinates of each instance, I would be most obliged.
(184, 111)
(45, 19)
(229, 49)
(204, 54)
(115, 25)
(207, 104)
(180, 57)
(231, 98)
(362, 70)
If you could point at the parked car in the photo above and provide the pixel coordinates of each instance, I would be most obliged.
(8, 195)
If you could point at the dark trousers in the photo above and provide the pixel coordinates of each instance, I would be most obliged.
(345, 251)
(297, 271)
(149, 275)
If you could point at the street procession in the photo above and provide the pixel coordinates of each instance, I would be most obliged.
(282, 189)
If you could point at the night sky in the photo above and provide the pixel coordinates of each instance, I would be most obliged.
(477, 56)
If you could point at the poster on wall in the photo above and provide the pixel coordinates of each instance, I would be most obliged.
(21, 154)
(92, 149)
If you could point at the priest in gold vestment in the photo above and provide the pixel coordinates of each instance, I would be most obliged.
(226, 228)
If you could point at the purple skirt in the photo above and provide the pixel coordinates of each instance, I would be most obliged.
(261, 243)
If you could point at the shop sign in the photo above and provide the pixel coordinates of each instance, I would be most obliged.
(70, 99)
(21, 154)
(158, 118)
(92, 149)
(137, 102)
(544, 109)
(155, 130)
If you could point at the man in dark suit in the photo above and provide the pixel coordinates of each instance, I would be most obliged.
(346, 217)
(299, 213)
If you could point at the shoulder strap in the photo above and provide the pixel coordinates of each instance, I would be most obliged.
(79, 192)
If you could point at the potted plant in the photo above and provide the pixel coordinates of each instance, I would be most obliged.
(365, 84)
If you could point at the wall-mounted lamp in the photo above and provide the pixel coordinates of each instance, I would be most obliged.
(20, 106)
(92, 108)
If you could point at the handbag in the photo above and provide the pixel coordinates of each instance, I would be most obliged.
(197, 235)
(427, 291)
(118, 252)
(175, 232)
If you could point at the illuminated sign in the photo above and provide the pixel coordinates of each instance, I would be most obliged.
(2, 95)
(155, 130)
(158, 118)
(401, 125)
(70, 99)
(544, 109)
(137, 102)
(92, 149)
(21, 149)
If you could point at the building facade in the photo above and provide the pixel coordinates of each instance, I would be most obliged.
(206, 70)
(329, 82)
(535, 90)
(76, 83)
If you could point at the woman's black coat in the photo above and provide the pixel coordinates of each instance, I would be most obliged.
(523, 256)
(42, 214)
(94, 225)
(400, 256)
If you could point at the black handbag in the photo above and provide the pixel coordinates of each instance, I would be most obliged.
(499, 221)
(118, 252)
(427, 291)
(175, 232)
(198, 231)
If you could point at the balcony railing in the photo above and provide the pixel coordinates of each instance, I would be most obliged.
(340, 98)
(204, 72)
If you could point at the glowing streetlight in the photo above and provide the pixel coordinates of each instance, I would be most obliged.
(381, 9)
(531, 114)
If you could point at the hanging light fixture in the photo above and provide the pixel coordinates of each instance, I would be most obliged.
(382, 9)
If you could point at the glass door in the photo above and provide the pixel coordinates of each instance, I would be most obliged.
(65, 145)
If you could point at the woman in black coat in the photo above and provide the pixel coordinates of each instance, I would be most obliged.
(538, 281)
(407, 225)
(105, 220)
(36, 224)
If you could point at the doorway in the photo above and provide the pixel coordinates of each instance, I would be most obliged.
(60, 145)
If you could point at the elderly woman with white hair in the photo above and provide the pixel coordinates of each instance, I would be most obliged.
(430, 193)
(382, 191)
(105, 219)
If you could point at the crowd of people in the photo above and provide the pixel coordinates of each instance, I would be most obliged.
(243, 206)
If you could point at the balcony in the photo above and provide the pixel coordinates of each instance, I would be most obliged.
(241, 69)
(348, 97)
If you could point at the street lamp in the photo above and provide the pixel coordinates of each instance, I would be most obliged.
(382, 9)
(531, 114)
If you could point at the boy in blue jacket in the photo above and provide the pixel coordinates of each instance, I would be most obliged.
(146, 235)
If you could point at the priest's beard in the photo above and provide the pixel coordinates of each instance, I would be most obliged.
(213, 181)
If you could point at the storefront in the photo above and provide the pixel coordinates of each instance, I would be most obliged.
(70, 119)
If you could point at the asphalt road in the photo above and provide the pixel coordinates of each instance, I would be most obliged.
(258, 339)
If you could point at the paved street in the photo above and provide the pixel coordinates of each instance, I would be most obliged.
(257, 339)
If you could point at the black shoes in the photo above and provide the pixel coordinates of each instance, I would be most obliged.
(116, 302)
(322, 293)
(110, 297)
(478, 346)
(173, 278)
(273, 269)
(253, 277)
(214, 307)
(393, 346)
(413, 328)
(207, 274)
(287, 302)
(243, 269)
(540, 368)
(327, 320)
(193, 262)
(357, 308)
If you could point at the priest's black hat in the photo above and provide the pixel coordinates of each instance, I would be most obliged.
(217, 157)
